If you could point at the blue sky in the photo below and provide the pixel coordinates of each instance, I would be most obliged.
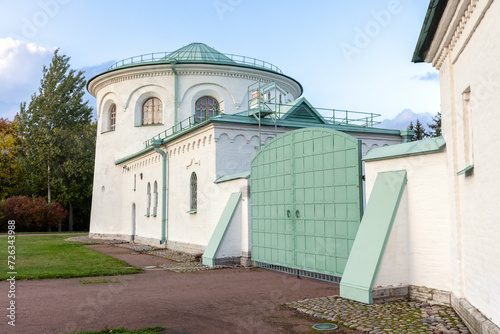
(352, 55)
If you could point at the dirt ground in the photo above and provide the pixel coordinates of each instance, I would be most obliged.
(232, 300)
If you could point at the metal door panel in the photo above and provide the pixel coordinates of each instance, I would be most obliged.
(306, 200)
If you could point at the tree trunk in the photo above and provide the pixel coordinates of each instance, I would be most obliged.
(70, 227)
(48, 185)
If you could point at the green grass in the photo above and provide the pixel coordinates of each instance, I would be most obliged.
(121, 330)
(44, 256)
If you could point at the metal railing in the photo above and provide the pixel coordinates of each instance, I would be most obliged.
(209, 57)
(336, 116)
(183, 125)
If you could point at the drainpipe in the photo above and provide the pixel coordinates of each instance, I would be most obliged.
(164, 193)
(176, 85)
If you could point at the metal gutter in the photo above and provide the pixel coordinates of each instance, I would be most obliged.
(164, 192)
(429, 28)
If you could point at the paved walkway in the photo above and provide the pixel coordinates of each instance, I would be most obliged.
(176, 292)
(233, 300)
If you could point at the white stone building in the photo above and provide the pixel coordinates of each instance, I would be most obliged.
(443, 243)
(193, 120)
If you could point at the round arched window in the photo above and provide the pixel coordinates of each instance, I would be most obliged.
(205, 108)
(152, 111)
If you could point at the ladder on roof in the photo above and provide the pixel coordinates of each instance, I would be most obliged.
(263, 102)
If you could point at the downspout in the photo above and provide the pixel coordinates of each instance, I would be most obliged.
(164, 193)
(176, 85)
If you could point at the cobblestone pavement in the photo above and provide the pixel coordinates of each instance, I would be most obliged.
(392, 317)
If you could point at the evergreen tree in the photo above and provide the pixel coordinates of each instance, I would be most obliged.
(419, 131)
(59, 136)
(436, 126)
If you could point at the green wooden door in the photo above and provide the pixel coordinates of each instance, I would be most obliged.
(306, 200)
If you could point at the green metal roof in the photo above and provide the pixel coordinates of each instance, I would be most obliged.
(198, 52)
(195, 53)
(429, 27)
(426, 146)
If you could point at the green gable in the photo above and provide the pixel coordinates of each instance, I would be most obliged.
(301, 110)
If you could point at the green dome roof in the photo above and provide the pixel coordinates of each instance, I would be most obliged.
(195, 53)
(198, 52)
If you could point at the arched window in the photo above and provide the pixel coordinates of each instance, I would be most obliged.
(205, 107)
(112, 118)
(155, 203)
(152, 111)
(148, 210)
(194, 192)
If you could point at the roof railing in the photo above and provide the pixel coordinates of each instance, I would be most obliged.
(160, 57)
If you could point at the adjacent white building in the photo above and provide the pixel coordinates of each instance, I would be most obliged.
(443, 245)
(193, 119)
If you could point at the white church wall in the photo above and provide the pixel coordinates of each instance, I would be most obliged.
(427, 242)
(470, 96)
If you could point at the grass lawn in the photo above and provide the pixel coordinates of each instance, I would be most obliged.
(121, 330)
(50, 256)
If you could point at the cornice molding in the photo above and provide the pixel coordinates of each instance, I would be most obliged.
(459, 32)
(141, 72)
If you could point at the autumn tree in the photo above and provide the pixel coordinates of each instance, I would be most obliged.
(10, 159)
(59, 136)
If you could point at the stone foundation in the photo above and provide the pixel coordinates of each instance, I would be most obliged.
(390, 293)
(475, 320)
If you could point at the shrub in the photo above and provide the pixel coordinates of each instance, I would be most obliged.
(31, 214)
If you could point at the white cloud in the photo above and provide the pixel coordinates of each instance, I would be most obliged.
(21, 66)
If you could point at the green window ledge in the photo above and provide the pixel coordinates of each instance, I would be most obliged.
(465, 170)
(192, 211)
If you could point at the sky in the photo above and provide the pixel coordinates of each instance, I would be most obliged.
(353, 55)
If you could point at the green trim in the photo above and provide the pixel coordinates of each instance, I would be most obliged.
(368, 249)
(426, 146)
(134, 155)
(465, 170)
(192, 211)
(220, 230)
(429, 27)
(225, 178)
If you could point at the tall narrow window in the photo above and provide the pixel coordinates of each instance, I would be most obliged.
(205, 107)
(112, 118)
(148, 210)
(467, 128)
(135, 182)
(194, 192)
(152, 111)
(155, 203)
